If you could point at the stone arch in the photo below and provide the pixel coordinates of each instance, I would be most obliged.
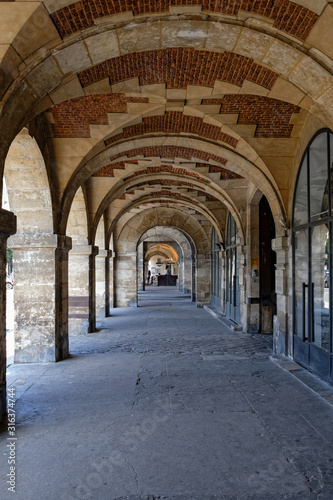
(186, 254)
(222, 35)
(128, 235)
(78, 266)
(181, 175)
(34, 246)
(171, 202)
(28, 187)
(295, 62)
(249, 167)
(164, 249)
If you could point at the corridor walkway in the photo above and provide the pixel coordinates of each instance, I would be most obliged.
(165, 402)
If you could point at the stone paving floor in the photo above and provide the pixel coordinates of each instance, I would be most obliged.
(165, 402)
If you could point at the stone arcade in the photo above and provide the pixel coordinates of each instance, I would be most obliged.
(177, 128)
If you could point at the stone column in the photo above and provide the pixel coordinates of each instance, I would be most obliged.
(7, 227)
(92, 289)
(145, 273)
(282, 335)
(79, 289)
(241, 260)
(108, 282)
(35, 272)
(189, 273)
(193, 288)
(181, 274)
(61, 306)
(203, 279)
(101, 283)
(126, 279)
(140, 273)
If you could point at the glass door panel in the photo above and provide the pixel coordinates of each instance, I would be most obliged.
(319, 199)
(320, 289)
(301, 196)
(301, 285)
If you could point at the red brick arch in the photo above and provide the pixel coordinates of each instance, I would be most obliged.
(170, 152)
(180, 67)
(287, 16)
(174, 122)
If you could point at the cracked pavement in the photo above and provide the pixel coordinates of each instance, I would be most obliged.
(165, 402)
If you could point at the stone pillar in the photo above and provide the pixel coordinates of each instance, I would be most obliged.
(108, 282)
(126, 279)
(203, 279)
(92, 289)
(7, 227)
(189, 274)
(282, 343)
(241, 260)
(35, 269)
(193, 287)
(101, 283)
(140, 265)
(61, 306)
(181, 274)
(79, 258)
(145, 273)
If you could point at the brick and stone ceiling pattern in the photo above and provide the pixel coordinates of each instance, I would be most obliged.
(271, 116)
(180, 67)
(73, 117)
(288, 16)
(169, 169)
(174, 122)
(170, 152)
(162, 193)
(108, 171)
(172, 183)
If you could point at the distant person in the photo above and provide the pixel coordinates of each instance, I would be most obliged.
(148, 277)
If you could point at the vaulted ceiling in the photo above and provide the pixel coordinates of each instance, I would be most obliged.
(185, 104)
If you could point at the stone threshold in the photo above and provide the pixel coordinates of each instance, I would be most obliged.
(317, 385)
(222, 319)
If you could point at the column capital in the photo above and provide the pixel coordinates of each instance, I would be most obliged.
(82, 250)
(104, 253)
(281, 243)
(30, 241)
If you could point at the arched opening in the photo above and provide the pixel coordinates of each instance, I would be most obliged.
(78, 267)
(179, 249)
(312, 257)
(267, 261)
(33, 247)
(161, 264)
(10, 342)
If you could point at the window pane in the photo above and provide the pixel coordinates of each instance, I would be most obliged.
(319, 191)
(301, 283)
(301, 197)
(320, 271)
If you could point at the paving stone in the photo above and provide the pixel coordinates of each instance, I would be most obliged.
(165, 402)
